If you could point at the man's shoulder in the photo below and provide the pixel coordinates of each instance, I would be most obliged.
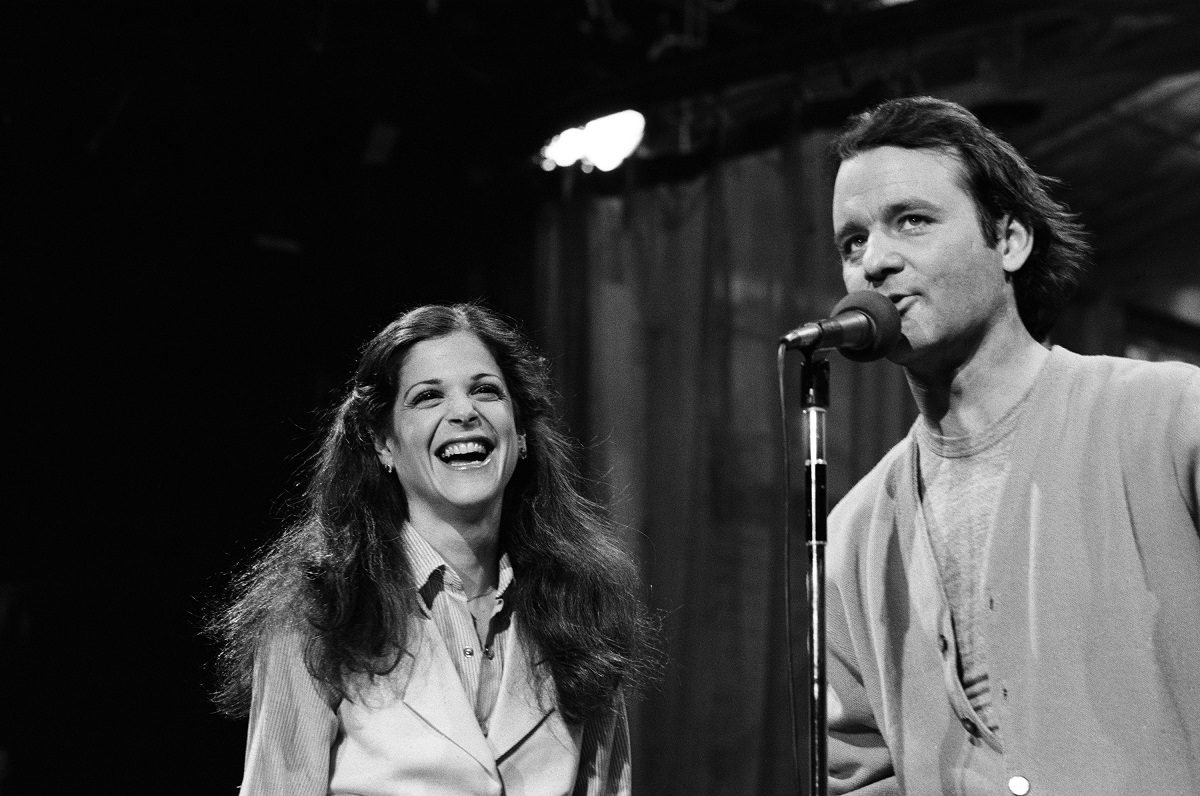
(1097, 401)
(866, 509)
(1133, 376)
(881, 482)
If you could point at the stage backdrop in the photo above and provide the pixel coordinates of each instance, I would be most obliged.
(662, 307)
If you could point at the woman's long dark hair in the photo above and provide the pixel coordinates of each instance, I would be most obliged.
(340, 577)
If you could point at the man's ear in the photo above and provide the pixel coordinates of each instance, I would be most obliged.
(1016, 244)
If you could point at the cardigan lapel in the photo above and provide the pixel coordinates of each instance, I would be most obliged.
(932, 609)
(435, 693)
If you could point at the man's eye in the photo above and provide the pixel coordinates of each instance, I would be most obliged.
(851, 245)
(914, 222)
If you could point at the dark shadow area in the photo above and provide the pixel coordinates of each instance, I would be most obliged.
(207, 215)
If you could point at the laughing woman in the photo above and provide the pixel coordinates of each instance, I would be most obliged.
(449, 615)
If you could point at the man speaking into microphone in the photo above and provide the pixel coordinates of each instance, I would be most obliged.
(1014, 590)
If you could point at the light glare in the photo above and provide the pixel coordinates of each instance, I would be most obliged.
(603, 143)
(567, 147)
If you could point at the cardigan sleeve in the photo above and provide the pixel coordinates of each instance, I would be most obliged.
(604, 760)
(292, 725)
(859, 759)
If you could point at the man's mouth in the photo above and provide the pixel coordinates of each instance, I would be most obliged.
(466, 453)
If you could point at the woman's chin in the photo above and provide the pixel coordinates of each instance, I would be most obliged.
(470, 502)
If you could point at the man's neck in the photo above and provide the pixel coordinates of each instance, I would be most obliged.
(971, 395)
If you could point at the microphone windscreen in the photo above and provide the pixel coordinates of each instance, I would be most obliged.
(883, 314)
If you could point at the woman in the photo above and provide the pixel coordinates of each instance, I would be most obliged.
(449, 615)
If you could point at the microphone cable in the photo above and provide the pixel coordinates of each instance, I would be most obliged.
(787, 562)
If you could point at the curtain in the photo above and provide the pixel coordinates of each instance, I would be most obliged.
(661, 308)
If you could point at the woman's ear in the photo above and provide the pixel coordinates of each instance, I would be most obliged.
(1016, 244)
(385, 450)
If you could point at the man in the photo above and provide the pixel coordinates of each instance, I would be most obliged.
(1014, 590)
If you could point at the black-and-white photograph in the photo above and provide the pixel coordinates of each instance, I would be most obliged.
(601, 397)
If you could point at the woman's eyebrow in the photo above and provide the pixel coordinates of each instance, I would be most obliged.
(423, 383)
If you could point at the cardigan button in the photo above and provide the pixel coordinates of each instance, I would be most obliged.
(970, 727)
(1018, 786)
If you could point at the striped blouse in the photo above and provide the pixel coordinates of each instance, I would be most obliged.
(478, 654)
(302, 743)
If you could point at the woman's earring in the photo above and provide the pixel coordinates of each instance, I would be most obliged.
(521, 450)
(388, 466)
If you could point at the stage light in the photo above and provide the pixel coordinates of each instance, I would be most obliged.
(601, 143)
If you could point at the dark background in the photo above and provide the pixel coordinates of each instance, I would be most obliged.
(194, 250)
(211, 206)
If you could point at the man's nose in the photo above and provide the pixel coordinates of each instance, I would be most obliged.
(880, 259)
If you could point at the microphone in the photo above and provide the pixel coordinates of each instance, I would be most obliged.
(864, 326)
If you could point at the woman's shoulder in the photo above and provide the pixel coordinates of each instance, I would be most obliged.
(282, 664)
(284, 644)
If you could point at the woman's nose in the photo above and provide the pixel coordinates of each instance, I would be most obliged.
(462, 409)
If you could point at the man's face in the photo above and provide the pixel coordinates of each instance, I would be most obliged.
(906, 228)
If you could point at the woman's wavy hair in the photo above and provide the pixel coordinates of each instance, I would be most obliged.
(339, 575)
(1001, 184)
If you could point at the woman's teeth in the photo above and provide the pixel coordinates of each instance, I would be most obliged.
(464, 454)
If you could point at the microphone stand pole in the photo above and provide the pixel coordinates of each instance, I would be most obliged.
(814, 380)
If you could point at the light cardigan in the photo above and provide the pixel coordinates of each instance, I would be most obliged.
(1093, 595)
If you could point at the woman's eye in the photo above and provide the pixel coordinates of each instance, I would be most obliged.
(425, 396)
(489, 390)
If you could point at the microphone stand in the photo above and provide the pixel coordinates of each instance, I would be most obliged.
(814, 381)
(865, 326)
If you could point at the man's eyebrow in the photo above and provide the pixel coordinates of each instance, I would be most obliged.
(907, 204)
(848, 228)
(890, 211)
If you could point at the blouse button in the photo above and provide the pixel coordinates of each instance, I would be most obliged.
(468, 651)
(1018, 786)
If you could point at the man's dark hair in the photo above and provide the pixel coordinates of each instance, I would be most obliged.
(1001, 184)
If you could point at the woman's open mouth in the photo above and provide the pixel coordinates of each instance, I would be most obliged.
(466, 454)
